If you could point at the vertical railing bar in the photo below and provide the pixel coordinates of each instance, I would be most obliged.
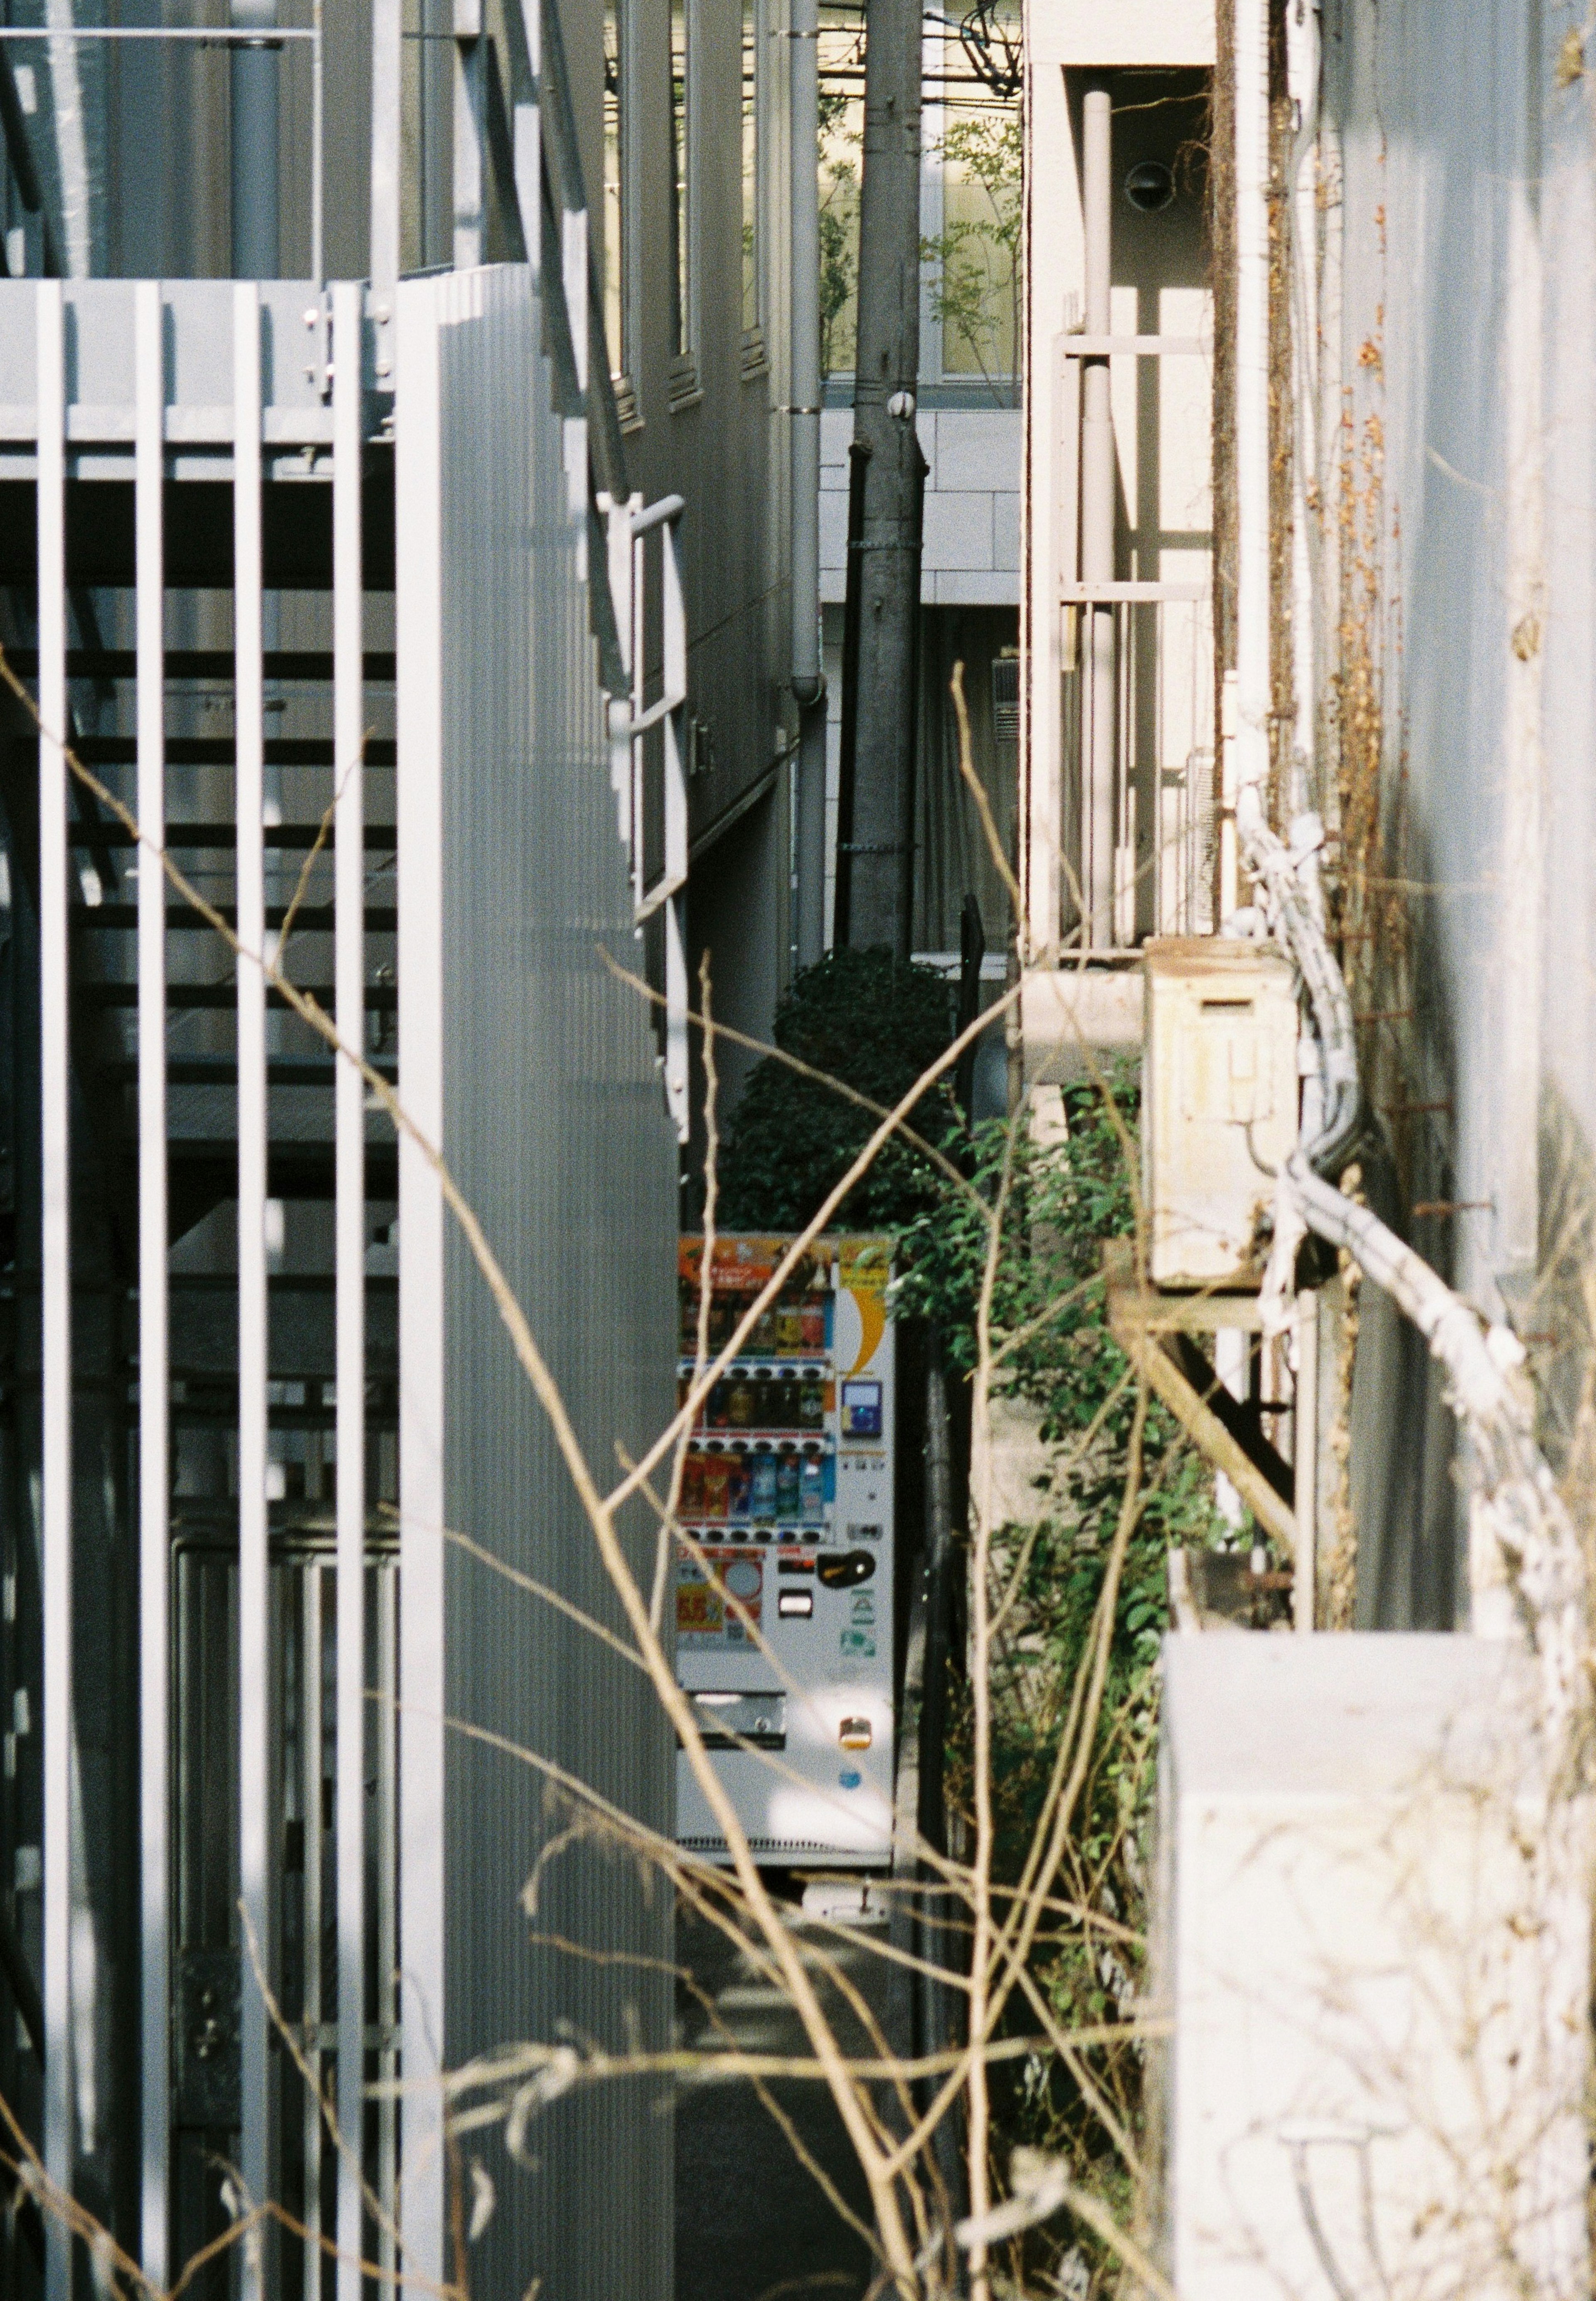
(155, 1547)
(387, 82)
(388, 1927)
(674, 615)
(56, 1465)
(639, 832)
(318, 142)
(253, 1565)
(349, 1123)
(311, 1611)
(470, 170)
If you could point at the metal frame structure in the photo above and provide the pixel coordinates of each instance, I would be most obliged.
(263, 1633)
(154, 426)
(629, 527)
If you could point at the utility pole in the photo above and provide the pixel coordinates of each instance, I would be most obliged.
(876, 854)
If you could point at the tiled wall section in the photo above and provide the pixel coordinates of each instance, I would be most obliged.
(972, 546)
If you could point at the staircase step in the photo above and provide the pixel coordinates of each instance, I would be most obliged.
(310, 919)
(221, 1070)
(219, 751)
(310, 665)
(297, 837)
(380, 999)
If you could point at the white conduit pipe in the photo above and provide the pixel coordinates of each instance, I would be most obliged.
(808, 681)
(1513, 1490)
(1512, 1485)
(1253, 696)
(1518, 1507)
(1098, 502)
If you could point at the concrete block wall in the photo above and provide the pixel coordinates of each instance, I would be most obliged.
(971, 555)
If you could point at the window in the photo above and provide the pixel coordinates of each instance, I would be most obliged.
(975, 131)
(841, 58)
(751, 283)
(681, 127)
(615, 105)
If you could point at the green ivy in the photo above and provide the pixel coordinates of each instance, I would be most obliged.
(1064, 1202)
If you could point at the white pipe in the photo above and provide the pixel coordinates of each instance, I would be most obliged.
(805, 353)
(1253, 696)
(809, 684)
(1098, 478)
(1302, 88)
(256, 104)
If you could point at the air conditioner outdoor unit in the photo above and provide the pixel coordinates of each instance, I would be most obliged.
(1371, 1966)
(1219, 1103)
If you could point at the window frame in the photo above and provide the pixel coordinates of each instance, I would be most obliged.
(754, 203)
(683, 372)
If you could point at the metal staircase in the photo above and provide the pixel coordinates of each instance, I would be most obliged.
(199, 1342)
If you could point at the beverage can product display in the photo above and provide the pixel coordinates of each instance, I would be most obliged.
(785, 1416)
(813, 1326)
(738, 1482)
(812, 1401)
(789, 1327)
(787, 1485)
(720, 1404)
(764, 1337)
(740, 1411)
(692, 1485)
(763, 1399)
(716, 1479)
(762, 1486)
(812, 1487)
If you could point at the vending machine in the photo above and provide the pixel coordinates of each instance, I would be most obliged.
(784, 1578)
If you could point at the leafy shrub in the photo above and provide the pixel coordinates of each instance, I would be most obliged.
(865, 1018)
(1049, 1310)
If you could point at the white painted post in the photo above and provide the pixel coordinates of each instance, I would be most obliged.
(56, 1276)
(254, 1710)
(154, 1541)
(349, 1126)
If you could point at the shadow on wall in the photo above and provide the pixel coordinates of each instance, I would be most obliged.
(1411, 1522)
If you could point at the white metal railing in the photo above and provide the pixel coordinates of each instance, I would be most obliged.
(631, 721)
(260, 1882)
(1130, 877)
(1158, 813)
(55, 1091)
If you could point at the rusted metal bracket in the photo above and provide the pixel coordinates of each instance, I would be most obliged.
(1154, 1330)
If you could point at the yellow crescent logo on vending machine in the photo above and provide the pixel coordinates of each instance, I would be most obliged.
(865, 1267)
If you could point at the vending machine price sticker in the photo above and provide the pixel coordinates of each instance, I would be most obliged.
(703, 1616)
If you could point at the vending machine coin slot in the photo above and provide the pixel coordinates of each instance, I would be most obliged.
(847, 1569)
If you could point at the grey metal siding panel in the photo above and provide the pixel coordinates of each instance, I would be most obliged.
(554, 1125)
(1466, 329)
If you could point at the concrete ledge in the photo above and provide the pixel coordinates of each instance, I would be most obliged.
(1066, 1011)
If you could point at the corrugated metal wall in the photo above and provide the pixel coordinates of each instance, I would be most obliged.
(552, 1121)
(1459, 307)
